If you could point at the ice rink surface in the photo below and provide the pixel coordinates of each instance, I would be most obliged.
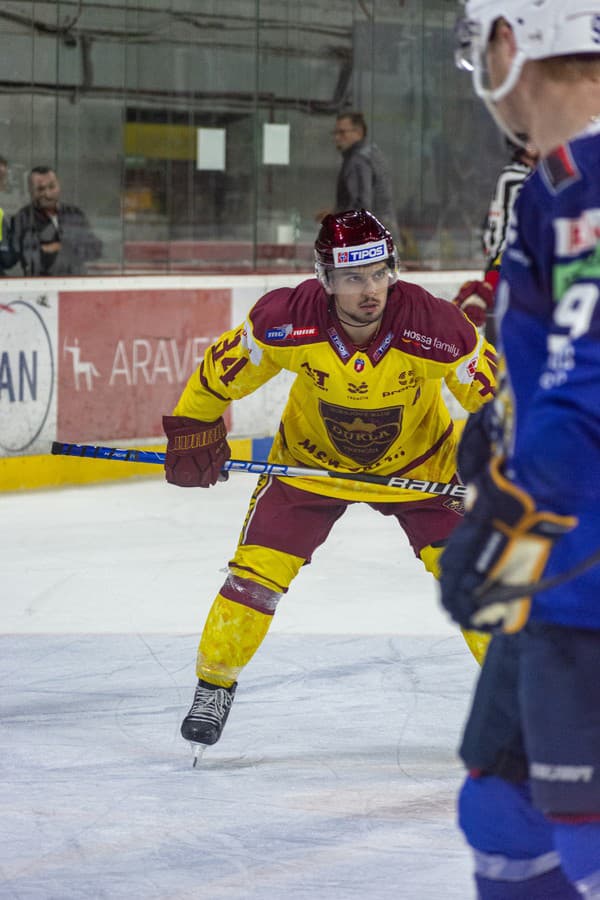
(336, 776)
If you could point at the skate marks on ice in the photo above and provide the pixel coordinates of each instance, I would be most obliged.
(335, 777)
(146, 557)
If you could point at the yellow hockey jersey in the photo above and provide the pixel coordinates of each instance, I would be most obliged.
(377, 410)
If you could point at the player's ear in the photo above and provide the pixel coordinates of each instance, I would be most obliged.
(503, 31)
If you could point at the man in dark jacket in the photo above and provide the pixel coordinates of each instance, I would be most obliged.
(49, 237)
(7, 258)
(364, 180)
(8, 194)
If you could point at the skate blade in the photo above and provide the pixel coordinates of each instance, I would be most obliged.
(197, 752)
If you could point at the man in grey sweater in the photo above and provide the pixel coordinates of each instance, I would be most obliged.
(364, 180)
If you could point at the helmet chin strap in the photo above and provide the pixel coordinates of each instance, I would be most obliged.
(491, 98)
(504, 128)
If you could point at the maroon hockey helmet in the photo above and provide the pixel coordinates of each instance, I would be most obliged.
(349, 239)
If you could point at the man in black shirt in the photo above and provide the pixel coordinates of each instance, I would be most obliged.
(49, 237)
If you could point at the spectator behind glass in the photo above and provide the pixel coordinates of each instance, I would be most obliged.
(364, 180)
(3, 174)
(50, 237)
(10, 200)
(12, 188)
(6, 258)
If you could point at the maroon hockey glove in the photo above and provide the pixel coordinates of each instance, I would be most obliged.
(476, 299)
(196, 451)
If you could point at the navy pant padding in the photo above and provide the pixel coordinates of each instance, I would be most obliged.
(549, 886)
(497, 818)
(560, 705)
(579, 849)
(492, 740)
(536, 713)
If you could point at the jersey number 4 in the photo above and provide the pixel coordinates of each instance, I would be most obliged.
(231, 365)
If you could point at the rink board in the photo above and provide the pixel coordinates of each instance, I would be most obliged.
(27, 472)
(101, 360)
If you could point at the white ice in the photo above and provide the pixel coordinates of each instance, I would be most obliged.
(336, 776)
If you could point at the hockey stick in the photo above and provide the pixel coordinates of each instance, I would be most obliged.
(259, 467)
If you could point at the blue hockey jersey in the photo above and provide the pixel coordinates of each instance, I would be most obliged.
(550, 335)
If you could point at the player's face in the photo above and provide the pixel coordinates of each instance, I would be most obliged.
(44, 190)
(361, 292)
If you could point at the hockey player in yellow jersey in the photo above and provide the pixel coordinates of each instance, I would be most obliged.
(370, 354)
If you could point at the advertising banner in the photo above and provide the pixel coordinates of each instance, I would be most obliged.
(124, 357)
(102, 360)
(28, 325)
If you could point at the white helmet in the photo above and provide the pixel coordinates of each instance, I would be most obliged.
(541, 28)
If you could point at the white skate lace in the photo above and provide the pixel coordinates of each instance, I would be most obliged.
(210, 706)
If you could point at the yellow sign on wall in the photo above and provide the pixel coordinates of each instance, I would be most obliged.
(156, 141)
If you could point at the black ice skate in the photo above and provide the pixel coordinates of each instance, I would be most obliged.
(207, 716)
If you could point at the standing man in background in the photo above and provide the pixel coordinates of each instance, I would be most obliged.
(364, 180)
(50, 237)
(6, 256)
(530, 807)
(3, 174)
(12, 187)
